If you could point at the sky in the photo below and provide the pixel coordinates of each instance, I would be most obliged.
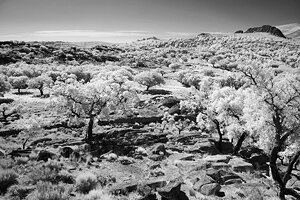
(129, 20)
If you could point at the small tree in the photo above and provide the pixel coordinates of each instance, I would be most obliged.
(4, 86)
(149, 79)
(93, 98)
(19, 82)
(40, 83)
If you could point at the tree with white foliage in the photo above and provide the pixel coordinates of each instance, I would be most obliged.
(149, 79)
(40, 83)
(272, 113)
(91, 99)
(18, 82)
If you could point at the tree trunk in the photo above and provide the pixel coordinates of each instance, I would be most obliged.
(19, 90)
(24, 143)
(219, 146)
(89, 132)
(147, 88)
(41, 92)
(239, 143)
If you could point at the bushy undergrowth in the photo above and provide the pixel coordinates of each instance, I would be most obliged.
(19, 191)
(50, 172)
(49, 191)
(7, 179)
(85, 182)
(98, 194)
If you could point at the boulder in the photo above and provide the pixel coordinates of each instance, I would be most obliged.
(172, 191)
(259, 161)
(66, 152)
(45, 155)
(246, 152)
(174, 110)
(240, 165)
(210, 189)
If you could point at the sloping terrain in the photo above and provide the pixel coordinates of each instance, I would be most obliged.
(290, 30)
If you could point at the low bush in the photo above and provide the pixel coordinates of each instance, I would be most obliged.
(19, 191)
(49, 191)
(50, 172)
(85, 182)
(98, 194)
(7, 179)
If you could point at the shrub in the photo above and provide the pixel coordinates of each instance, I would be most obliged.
(85, 182)
(48, 191)
(97, 194)
(50, 172)
(7, 179)
(19, 191)
(149, 79)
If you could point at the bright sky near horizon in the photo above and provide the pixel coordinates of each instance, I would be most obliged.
(128, 20)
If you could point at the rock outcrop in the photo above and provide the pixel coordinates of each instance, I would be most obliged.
(266, 29)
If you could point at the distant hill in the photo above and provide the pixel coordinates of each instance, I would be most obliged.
(290, 30)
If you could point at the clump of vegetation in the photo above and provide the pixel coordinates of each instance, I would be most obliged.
(49, 172)
(40, 83)
(49, 191)
(18, 82)
(149, 79)
(86, 182)
(7, 179)
(98, 194)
